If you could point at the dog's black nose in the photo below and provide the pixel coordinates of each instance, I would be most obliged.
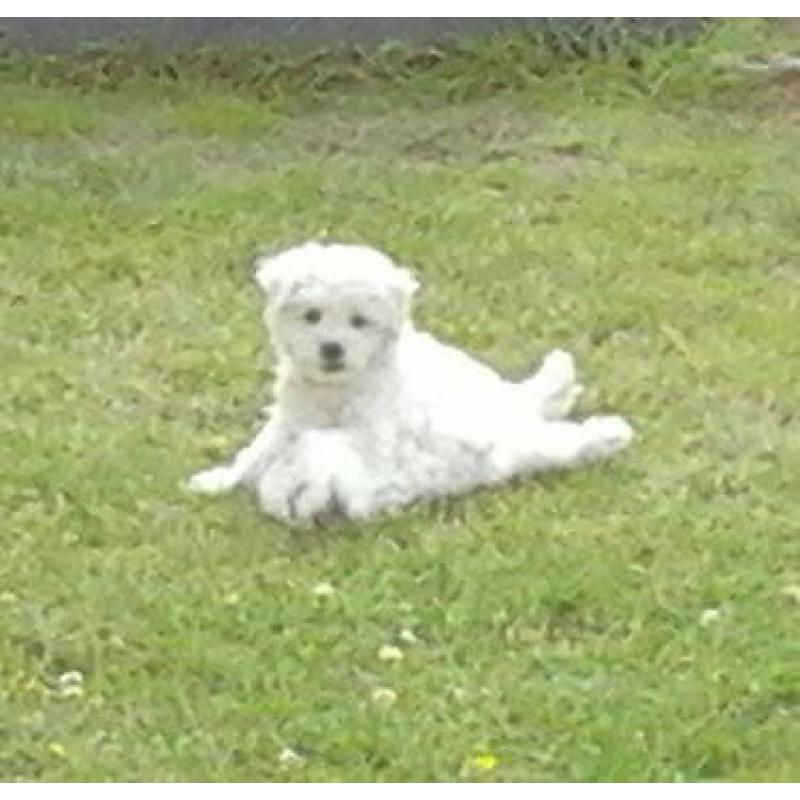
(331, 351)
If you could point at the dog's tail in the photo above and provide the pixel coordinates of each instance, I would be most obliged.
(553, 391)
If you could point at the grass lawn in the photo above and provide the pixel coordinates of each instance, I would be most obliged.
(638, 620)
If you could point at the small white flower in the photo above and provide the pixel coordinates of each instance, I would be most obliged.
(324, 590)
(384, 697)
(710, 616)
(457, 692)
(288, 758)
(73, 677)
(390, 653)
(791, 593)
(408, 636)
(70, 684)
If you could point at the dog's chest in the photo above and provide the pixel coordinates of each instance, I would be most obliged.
(312, 408)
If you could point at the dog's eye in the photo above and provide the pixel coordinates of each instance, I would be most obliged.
(312, 316)
(357, 321)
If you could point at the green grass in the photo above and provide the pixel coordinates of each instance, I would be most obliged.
(645, 219)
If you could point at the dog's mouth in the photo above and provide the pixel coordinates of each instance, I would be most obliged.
(332, 366)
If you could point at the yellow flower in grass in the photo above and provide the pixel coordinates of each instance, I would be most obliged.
(232, 599)
(57, 749)
(483, 762)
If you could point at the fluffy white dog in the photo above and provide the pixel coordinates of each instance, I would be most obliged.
(371, 414)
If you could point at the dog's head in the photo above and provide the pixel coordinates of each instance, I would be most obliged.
(334, 310)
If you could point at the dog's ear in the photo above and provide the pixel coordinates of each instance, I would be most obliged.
(277, 272)
(406, 283)
(267, 272)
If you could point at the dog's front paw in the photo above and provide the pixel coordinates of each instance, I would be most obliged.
(217, 480)
(325, 503)
(315, 504)
(607, 435)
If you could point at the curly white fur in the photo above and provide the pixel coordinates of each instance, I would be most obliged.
(371, 414)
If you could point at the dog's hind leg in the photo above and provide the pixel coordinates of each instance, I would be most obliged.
(561, 444)
(553, 391)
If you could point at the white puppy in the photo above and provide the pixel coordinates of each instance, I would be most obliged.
(371, 414)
